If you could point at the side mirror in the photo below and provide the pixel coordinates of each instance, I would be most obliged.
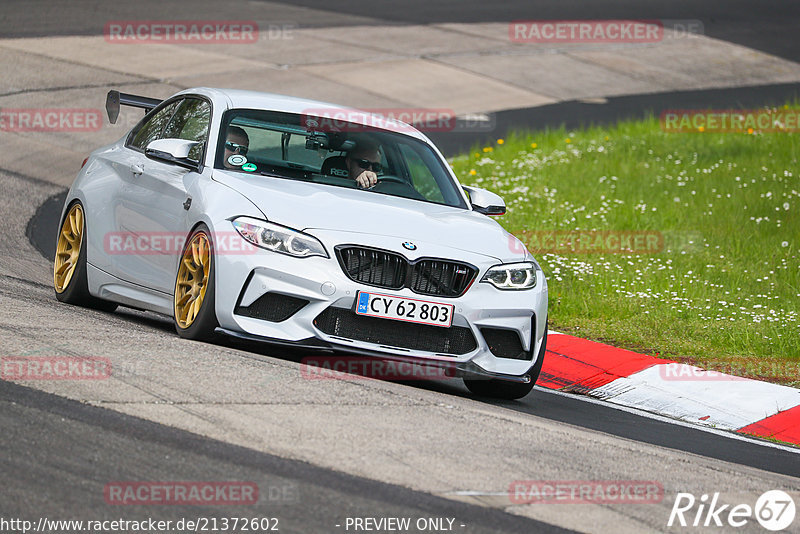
(175, 151)
(484, 201)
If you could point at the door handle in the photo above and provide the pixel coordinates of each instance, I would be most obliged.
(137, 169)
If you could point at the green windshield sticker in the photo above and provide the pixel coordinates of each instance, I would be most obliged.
(249, 167)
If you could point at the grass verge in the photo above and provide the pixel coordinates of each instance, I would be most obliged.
(714, 279)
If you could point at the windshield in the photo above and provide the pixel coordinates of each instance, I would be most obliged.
(298, 147)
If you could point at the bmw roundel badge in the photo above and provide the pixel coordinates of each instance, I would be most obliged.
(409, 245)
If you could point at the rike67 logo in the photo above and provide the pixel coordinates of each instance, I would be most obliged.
(774, 510)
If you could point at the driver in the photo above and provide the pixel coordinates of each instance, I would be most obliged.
(364, 162)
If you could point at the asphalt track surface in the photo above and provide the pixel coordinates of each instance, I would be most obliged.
(769, 26)
(574, 114)
(45, 446)
(541, 403)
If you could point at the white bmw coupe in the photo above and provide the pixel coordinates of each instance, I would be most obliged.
(240, 213)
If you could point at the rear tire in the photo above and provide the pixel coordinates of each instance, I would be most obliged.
(501, 389)
(194, 312)
(69, 266)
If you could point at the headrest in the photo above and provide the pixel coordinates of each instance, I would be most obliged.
(335, 166)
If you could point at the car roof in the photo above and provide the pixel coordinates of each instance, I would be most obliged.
(238, 98)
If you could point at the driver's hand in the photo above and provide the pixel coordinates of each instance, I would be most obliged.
(367, 179)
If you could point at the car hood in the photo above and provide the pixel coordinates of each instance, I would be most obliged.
(307, 206)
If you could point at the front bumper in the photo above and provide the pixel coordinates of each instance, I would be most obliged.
(460, 370)
(243, 279)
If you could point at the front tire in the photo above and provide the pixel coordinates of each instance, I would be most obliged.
(69, 266)
(501, 389)
(194, 312)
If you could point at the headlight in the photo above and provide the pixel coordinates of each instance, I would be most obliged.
(278, 238)
(512, 276)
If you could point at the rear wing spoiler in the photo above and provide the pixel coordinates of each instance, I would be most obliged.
(114, 99)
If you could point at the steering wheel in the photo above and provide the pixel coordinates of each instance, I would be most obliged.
(407, 190)
(390, 178)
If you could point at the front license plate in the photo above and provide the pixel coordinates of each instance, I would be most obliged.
(404, 309)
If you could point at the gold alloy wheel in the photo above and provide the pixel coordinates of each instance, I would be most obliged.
(68, 249)
(190, 288)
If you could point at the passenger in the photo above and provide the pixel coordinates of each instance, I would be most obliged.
(236, 142)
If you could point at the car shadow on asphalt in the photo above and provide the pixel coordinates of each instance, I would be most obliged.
(451, 386)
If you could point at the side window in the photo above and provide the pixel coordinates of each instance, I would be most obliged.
(151, 129)
(190, 122)
(421, 175)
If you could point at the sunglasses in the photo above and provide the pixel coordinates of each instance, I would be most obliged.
(366, 164)
(233, 147)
